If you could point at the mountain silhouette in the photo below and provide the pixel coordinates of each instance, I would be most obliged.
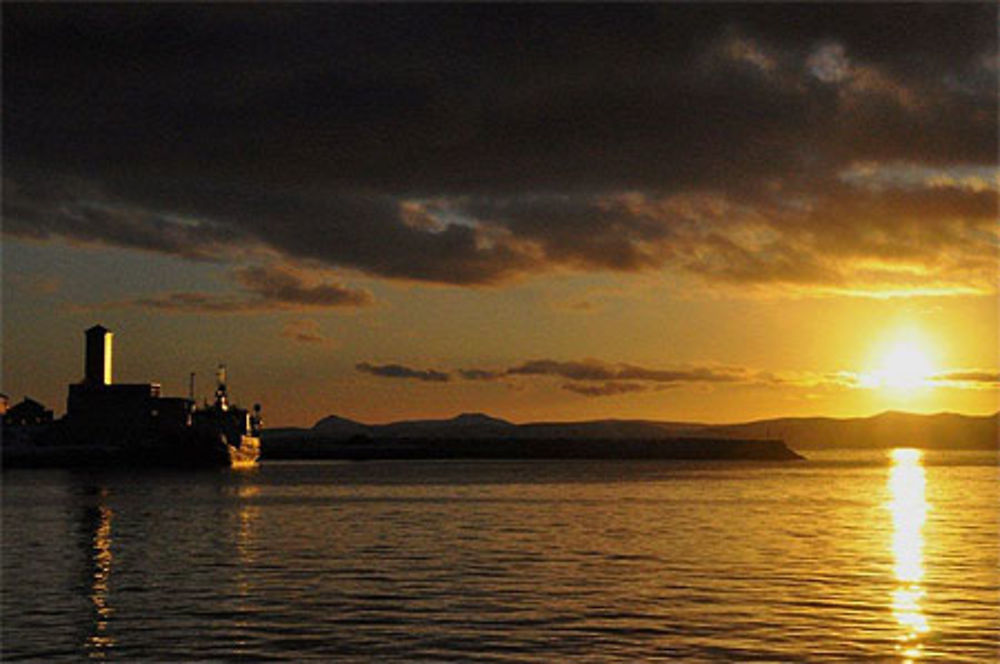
(885, 430)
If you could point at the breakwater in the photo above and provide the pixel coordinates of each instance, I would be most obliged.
(363, 448)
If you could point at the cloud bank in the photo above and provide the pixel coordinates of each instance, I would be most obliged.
(597, 378)
(746, 147)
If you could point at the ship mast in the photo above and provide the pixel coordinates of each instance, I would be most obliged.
(221, 398)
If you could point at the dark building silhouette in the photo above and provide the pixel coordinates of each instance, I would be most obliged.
(109, 423)
(98, 404)
(27, 413)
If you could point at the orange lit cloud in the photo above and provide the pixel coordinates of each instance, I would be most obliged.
(595, 378)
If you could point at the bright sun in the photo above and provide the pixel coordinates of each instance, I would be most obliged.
(904, 366)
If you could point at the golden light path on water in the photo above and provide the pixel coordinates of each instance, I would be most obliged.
(908, 505)
(100, 641)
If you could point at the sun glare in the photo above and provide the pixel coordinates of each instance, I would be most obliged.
(904, 365)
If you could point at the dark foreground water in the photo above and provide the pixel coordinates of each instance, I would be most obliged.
(863, 558)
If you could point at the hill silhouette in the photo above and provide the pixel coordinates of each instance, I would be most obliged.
(889, 429)
(885, 430)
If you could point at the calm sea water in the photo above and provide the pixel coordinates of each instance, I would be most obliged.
(842, 558)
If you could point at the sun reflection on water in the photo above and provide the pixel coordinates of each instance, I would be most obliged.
(908, 505)
(246, 518)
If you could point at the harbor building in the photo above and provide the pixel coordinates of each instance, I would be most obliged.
(97, 364)
(26, 414)
(98, 404)
(129, 424)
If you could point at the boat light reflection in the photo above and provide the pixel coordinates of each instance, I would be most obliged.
(99, 641)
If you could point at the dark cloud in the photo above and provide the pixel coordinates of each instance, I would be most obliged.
(195, 303)
(285, 286)
(605, 390)
(481, 374)
(476, 144)
(267, 288)
(971, 378)
(614, 376)
(697, 375)
(586, 370)
(40, 207)
(596, 378)
(399, 371)
(593, 370)
(304, 331)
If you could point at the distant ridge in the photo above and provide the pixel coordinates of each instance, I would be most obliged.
(888, 429)
(339, 427)
(480, 436)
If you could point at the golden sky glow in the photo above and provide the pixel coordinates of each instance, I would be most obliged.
(905, 365)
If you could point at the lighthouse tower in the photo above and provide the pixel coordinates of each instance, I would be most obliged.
(97, 365)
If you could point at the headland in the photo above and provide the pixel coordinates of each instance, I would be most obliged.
(479, 436)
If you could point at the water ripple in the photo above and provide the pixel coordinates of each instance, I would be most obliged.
(504, 563)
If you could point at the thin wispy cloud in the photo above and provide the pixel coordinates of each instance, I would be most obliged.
(400, 371)
(264, 288)
(597, 378)
(306, 332)
(595, 370)
(982, 379)
(605, 389)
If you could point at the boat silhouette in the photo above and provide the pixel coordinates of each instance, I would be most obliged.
(112, 424)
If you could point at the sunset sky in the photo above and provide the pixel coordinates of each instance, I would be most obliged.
(668, 211)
